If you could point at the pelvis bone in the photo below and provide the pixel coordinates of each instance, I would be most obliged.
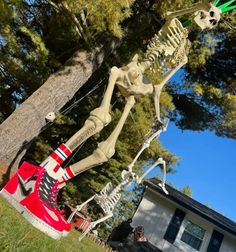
(130, 79)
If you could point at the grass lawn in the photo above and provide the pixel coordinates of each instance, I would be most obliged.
(16, 234)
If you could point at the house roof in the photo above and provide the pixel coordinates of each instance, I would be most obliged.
(194, 206)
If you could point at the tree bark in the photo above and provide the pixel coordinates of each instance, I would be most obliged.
(25, 123)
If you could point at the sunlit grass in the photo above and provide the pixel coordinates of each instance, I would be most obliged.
(16, 234)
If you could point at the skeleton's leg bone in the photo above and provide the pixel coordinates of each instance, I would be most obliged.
(91, 126)
(147, 144)
(105, 149)
(199, 6)
(164, 188)
(97, 158)
(93, 224)
(114, 74)
(98, 118)
(144, 146)
(108, 146)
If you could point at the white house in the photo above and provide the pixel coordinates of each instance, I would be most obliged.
(177, 223)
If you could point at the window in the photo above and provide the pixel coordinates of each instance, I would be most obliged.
(174, 226)
(193, 235)
(215, 242)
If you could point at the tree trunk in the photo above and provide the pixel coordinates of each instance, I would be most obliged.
(25, 123)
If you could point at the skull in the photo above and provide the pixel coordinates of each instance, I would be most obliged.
(207, 19)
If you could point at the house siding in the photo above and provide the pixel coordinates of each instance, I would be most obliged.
(154, 214)
(228, 245)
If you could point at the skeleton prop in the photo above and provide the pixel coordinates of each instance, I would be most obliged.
(33, 189)
(107, 199)
(109, 196)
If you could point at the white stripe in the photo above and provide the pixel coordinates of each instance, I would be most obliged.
(58, 152)
(62, 152)
(67, 176)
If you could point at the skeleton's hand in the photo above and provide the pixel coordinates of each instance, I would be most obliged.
(157, 124)
(162, 185)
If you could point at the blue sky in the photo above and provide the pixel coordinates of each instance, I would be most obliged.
(207, 165)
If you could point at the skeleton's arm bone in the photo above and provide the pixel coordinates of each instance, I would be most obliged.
(93, 224)
(162, 183)
(199, 6)
(105, 149)
(144, 146)
(158, 88)
(158, 162)
(157, 94)
(147, 144)
(98, 118)
(78, 208)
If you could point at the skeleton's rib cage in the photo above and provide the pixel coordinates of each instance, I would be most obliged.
(168, 47)
(108, 198)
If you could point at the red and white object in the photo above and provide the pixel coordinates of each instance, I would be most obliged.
(68, 173)
(56, 158)
(33, 192)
